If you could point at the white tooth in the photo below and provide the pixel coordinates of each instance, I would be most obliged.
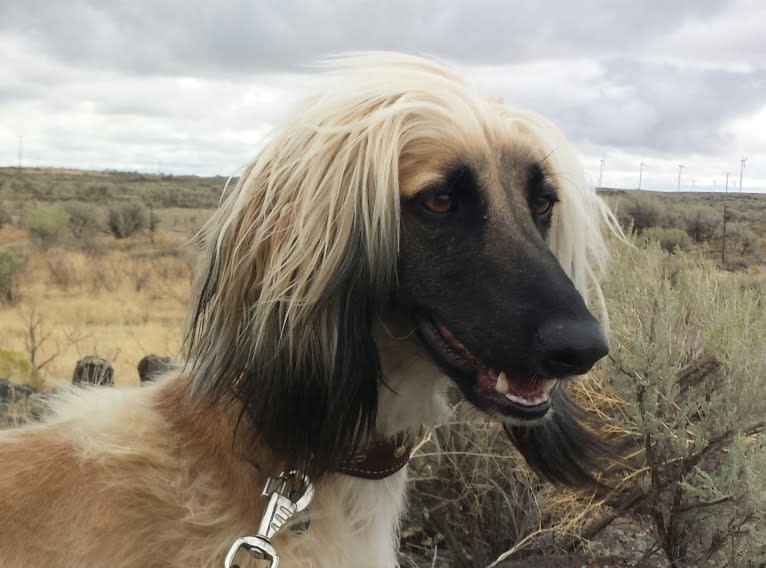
(501, 385)
(519, 400)
(525, 402)
(548, 385)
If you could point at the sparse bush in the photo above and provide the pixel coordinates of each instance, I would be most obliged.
(84, 219)
(670, 240)
(98, 191)
(127, 218)
(37, 336)
(154, 220)
(742, 235)
(641, 210)
(702, 222)
(94, 246)
(19, 404)
(140, 275)
(687, 362)
(468, 470)
(106, 274)
(5, 217)
(63, 271)
(15, 366)
(10, 266)
(753, 279)
(47, 224)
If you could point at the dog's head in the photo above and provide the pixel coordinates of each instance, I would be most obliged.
(402, 192)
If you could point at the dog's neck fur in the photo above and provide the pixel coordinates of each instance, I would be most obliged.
(414, 390)
(359, 517)
(149, 465)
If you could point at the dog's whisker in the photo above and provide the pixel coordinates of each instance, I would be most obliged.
(394, 337)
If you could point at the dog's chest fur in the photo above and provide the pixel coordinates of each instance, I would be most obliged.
(355, 522)
(158, 487)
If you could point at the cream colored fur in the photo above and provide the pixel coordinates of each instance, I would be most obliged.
(137, 477)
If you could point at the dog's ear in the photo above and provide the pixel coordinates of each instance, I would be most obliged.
(297, 260)
(562, 449)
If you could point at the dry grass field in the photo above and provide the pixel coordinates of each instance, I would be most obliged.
(88, 293)
(121, 306)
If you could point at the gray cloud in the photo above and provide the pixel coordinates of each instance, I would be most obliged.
(689, 105)
(196, 84)
(636, 104)
(186, 36)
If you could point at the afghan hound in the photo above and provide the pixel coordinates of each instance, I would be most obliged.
(397, 234)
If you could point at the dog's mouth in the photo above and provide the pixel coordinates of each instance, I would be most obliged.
(492, 390)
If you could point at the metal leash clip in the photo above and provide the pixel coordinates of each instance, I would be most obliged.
(281, 507)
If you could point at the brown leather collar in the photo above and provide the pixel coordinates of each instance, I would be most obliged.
(383, 458)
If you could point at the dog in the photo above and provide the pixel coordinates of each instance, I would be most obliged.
(399, 233)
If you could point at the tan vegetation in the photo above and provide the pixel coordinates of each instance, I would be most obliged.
(120, 306)
(695, 222)
(71, 285)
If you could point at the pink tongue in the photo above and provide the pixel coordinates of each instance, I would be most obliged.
(486, 378)
(528, 391)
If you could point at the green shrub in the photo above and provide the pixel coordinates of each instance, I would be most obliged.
(127, 218)
(84, 219)
(10, 266)
(5, 217)
(702, 222)
(669, 239)
(687, 361)
(47, 224)
(641, 210)
(741, 236)
(15, 366)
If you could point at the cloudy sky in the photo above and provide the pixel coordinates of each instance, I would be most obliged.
(191, 86)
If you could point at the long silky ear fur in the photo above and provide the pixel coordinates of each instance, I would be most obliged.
(299, 259)
(311, 407)
(562, 449)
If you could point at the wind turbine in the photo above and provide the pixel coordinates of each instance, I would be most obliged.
(680, 167)
(743, 161)
(641, 174)
(601, 173)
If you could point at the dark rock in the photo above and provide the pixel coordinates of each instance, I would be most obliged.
(93, 370)
(152, 366)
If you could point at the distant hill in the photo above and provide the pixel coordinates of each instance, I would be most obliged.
(700, 215)
(161, 191)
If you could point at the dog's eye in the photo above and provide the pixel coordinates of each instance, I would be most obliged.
(542, 206)
(440, 203)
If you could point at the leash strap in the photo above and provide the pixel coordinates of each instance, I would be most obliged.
(283, 504)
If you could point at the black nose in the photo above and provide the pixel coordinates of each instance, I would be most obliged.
(567, 347)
